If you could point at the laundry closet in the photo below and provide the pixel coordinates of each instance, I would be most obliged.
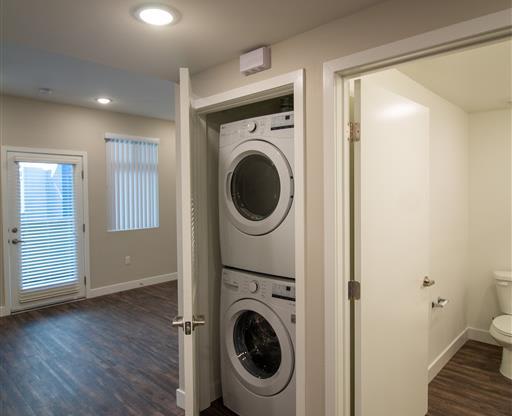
(243, 216)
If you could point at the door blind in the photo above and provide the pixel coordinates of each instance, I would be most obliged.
(48, 261)
(132, 182)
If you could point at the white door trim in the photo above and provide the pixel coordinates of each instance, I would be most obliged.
(5, 291)
(292, 82)
(336, 202)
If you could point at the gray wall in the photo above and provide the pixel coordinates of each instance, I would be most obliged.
(386, 22)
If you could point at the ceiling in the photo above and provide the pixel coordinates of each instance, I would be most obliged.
(85, 49)
(73, 81)
(475, 79)
(209, 32)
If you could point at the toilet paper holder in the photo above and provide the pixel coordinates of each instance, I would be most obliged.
(441, 303)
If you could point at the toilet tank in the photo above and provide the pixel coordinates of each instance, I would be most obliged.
(504, 289)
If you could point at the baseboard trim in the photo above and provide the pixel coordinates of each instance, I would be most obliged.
(443, 358)
(4, 311)
(180, 398)
(132, 284)
(481, 335)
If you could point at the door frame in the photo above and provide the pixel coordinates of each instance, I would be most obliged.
(336, 176)
(291, 82)
(5, 290)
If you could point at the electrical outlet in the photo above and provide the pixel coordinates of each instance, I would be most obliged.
(127, 260)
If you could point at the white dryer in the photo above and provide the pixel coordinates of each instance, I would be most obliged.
(257, 344)
(256, 191)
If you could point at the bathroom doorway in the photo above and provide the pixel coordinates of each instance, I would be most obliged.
(425, 180)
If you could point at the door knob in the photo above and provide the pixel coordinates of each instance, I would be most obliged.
(188, 326)
(427, 282)
(16, 241)
(178, 322)
(198, 320)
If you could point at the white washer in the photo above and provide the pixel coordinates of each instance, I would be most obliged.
(256, 189)
(257, 322)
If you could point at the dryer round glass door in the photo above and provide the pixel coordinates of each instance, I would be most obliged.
(258, 187)
(255, 187)
(259, 347)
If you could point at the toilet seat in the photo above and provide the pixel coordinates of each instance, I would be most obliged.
(503, 325)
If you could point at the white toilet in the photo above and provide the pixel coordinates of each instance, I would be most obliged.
(501, 327)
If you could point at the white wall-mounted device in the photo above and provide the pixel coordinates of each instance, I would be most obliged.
(255, 61)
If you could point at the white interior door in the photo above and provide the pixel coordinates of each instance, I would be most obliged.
(191, 255)
(45, 229)
(391, 252)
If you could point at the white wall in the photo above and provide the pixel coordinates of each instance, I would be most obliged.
(449, 213)
(39, 124)
(490, 211)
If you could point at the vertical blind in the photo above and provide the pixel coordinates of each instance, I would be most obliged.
(132, 182)
(48, 259)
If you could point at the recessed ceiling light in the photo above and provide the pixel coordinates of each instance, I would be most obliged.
(156, 15)
(45, 91)
(104, 100)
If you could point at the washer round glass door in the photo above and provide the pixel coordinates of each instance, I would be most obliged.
(259, 347)
(258, 187)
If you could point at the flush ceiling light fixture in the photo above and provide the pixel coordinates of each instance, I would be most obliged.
(104, 100)
(45, 91)
(156, 14)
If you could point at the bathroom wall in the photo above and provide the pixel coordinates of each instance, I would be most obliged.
(449, 214)
(38, 124)
(490, 213)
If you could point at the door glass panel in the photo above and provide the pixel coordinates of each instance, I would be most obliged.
(257, 345)
(255, 187)
(47, 227)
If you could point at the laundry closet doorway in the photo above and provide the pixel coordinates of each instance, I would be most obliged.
(198, 251)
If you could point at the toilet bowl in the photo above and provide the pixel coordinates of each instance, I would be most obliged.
(501, 331)
(501, 327)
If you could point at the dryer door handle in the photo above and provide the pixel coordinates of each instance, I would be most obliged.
(228, 185)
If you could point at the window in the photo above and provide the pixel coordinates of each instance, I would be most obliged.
(132, 182)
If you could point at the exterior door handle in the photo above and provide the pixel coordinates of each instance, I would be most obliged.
(427, 282)
(16, 241)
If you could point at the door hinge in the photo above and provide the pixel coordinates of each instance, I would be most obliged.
(85, 280)
(354, 290)
(354, 131)
(82, 175)
(83, 228)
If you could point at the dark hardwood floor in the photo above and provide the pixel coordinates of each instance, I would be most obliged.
(118, 355)
(112, 355)
(471, 384)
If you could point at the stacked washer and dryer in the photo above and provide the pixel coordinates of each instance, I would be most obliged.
(257, 312)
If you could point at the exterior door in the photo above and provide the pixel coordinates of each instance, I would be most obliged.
(45, 229)
(191, 237)
(391, 244)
